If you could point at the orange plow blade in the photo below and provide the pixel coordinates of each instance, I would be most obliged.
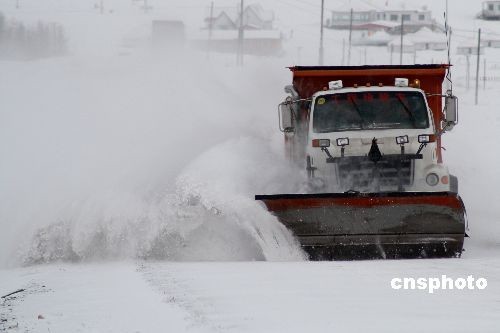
(373, 225)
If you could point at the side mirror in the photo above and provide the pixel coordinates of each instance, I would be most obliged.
(451, 109)
(450, 112)
(285, 113)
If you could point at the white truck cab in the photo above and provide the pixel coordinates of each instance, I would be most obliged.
(373, 139)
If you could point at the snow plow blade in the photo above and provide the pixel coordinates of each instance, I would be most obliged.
(353, 226)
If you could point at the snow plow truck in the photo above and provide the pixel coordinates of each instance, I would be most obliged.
(370, 141)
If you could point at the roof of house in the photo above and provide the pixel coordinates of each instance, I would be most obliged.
(234, 12)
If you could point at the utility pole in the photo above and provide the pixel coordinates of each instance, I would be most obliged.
(401, 48)
(467, 75)
(210, 27)
(17, 4)
(343, 51)
(239, 55)
(477, 67)
(392, 51)
(484, 74)
(350, 39)
(101, 7)
(321, 55)
(450, 32)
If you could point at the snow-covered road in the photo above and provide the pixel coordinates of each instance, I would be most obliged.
(249, 297)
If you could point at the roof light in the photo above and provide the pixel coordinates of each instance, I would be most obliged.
(401, 82)
(335, 84)
(401, 140)
(342, 142)
(321, 143)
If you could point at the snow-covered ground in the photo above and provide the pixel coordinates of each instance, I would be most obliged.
(249, 297)
(116, 155)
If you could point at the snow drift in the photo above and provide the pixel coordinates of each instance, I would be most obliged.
(96, 146)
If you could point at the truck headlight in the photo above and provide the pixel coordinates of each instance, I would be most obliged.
(342, 142)
(401, 140)
(424, 138)
(432, 179)
(321, 143)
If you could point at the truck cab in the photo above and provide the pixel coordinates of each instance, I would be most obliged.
(394, 123)
(380, 136)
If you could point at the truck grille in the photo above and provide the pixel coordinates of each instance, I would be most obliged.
(361, 174)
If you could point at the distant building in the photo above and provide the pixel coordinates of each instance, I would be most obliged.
(490, 10)
(469, 49)
(423, 39)
(368, 17)
(259, 37)
(362, 13)
(228, 18)
(376, 26)
(490, 42)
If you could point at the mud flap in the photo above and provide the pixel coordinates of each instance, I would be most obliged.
(373, 225)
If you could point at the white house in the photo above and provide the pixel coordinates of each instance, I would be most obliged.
(362, 13)
(367, 16)
(490, 10)
(259, 37)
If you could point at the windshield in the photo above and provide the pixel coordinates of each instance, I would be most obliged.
(369, 110)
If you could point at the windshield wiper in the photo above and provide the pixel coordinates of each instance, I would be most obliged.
(412, 118)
